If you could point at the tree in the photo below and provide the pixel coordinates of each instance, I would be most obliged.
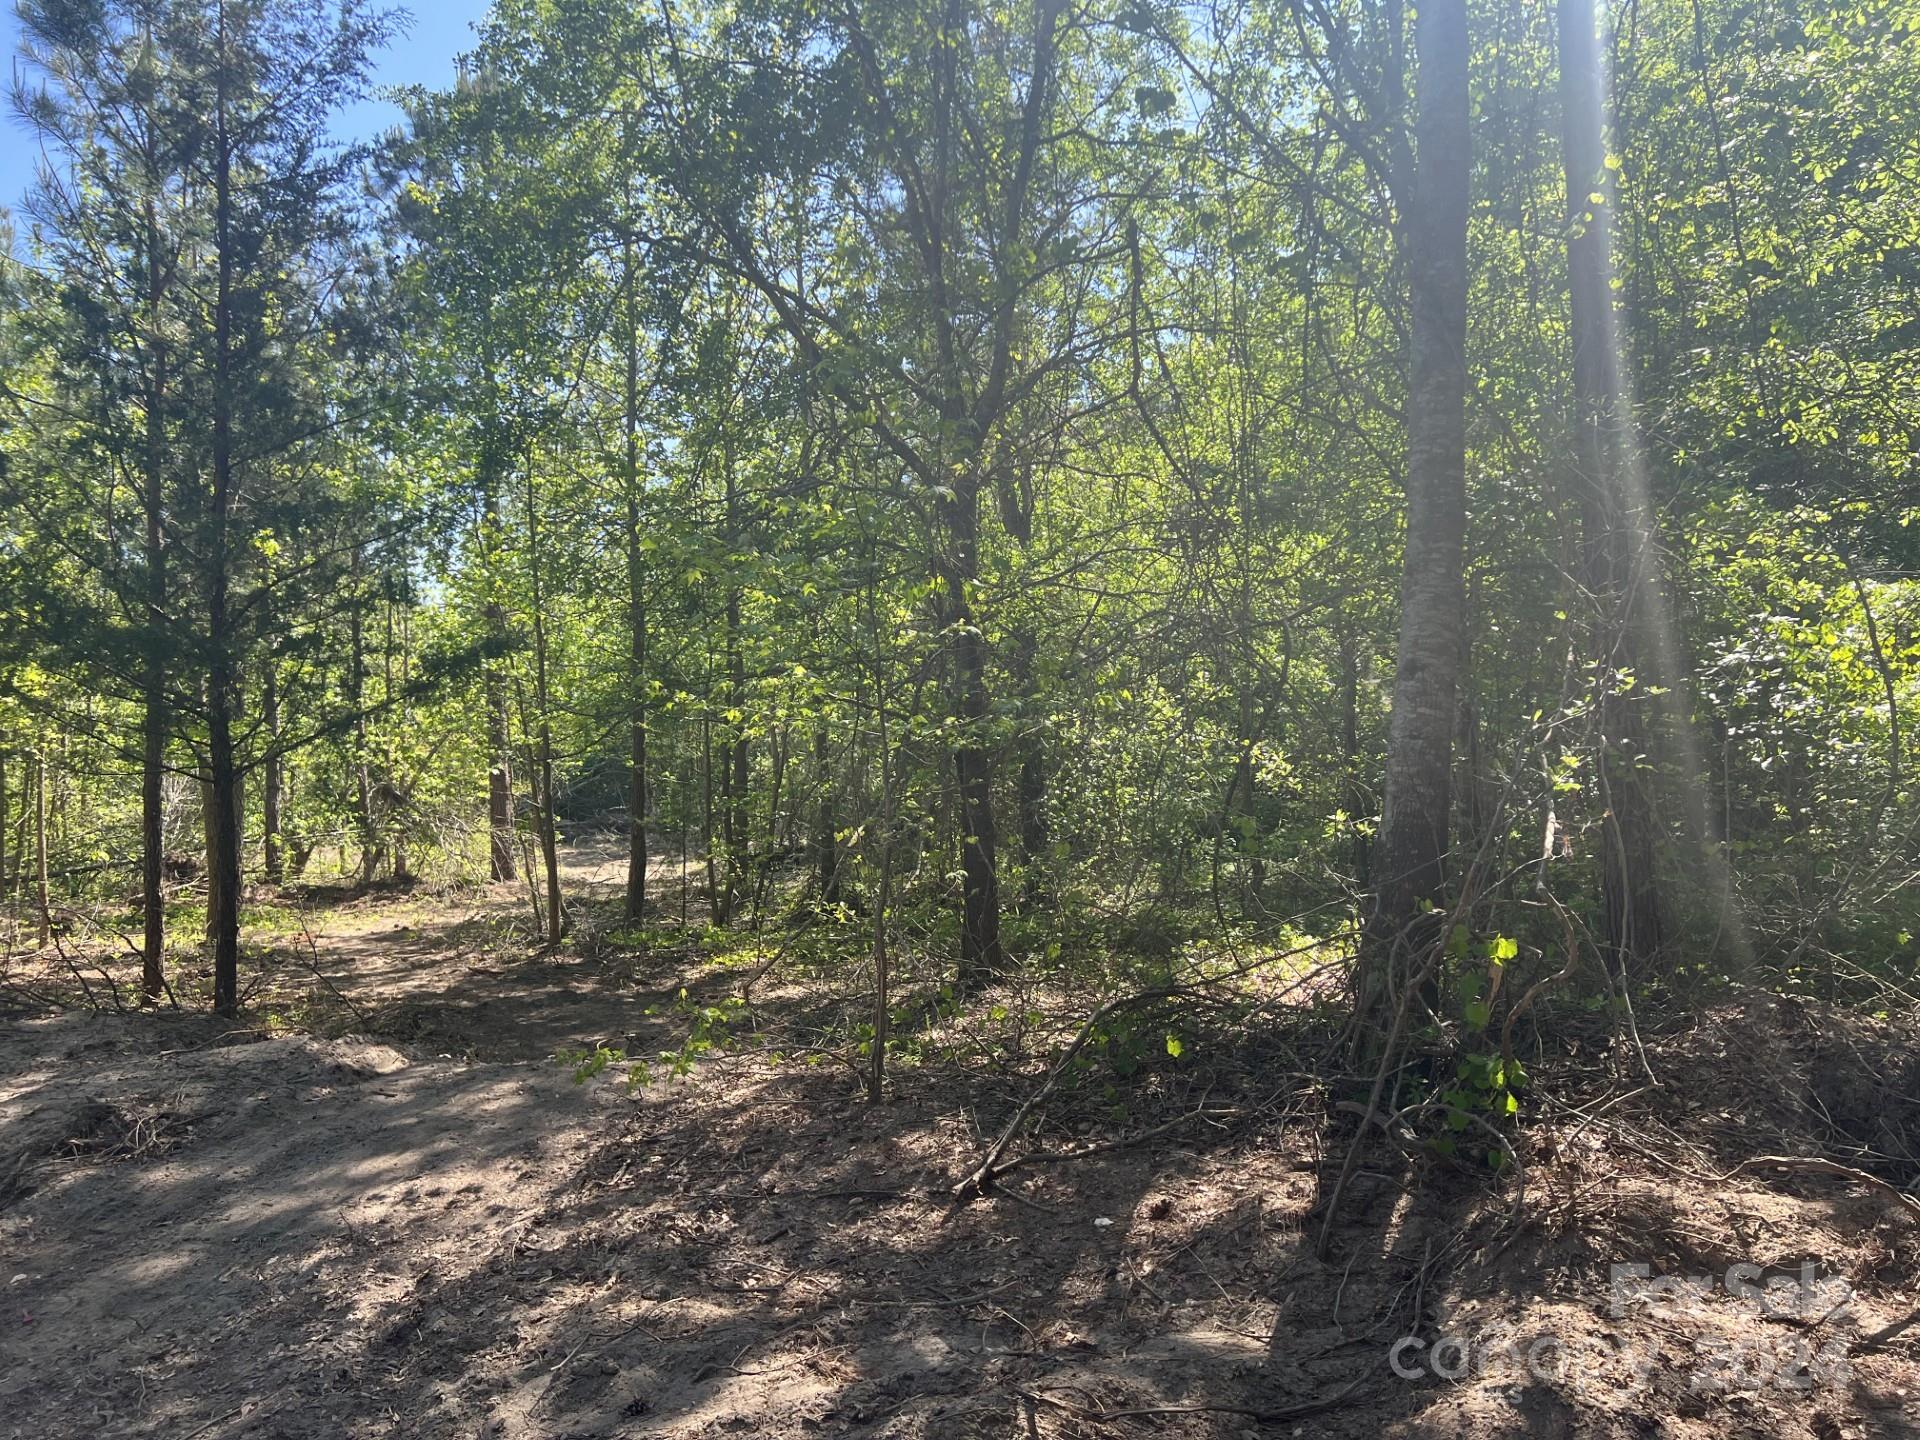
(971, 213)
(1409, 858)
(114, 112)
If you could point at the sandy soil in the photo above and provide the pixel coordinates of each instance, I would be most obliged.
(427, 1229)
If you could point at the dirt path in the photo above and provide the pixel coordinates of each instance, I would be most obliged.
(436, 1233)
(227, 1234)
(294, 1192)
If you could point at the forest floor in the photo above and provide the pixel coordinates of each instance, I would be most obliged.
(390, 1212)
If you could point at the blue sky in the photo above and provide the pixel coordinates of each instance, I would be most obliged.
(440, 30)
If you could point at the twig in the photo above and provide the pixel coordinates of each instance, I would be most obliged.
(313, 964)
(1122, 1142)
(959, 1302)
(980, 1179)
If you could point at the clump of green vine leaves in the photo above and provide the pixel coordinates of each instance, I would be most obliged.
(708, 1028)
(1486, 1085)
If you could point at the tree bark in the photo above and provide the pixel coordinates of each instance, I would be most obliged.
(273, 782)
(982, 959)
(153, 738)
(501, 864)
(367, 823)
(42, 901)
(636, 904)
(549, 825)
(1410, 854)
(224, 858)
(883, 888)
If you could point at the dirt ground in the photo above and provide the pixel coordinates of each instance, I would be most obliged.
(424, 1227)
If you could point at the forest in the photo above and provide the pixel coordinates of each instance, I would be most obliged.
(957, 718)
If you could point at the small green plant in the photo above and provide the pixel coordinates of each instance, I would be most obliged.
(1486, 1085)
(708, 1027)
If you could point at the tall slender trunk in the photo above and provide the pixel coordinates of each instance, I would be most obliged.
(636, 617)
(402, 866)
(501, 865)
(223, 772)
(1609, 540)
(981, 957)
(1410, 855)
(714, 901)
(393, 799)
(42, 903)
(364, 818)
(273, 782)
(153, 738)
(883, 889)
(549, 825)
(22, 839)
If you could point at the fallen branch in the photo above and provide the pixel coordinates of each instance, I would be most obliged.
(1103, 1147)
(982, 1176)
(313, 964)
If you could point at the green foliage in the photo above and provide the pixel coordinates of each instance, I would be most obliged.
(813, 396)
(708, 1028)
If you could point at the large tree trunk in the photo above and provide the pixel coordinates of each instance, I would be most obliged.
(1630, 891)
(981, 957)
(1409, 861)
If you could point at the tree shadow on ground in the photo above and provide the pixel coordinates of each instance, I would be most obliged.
(333, 1245)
